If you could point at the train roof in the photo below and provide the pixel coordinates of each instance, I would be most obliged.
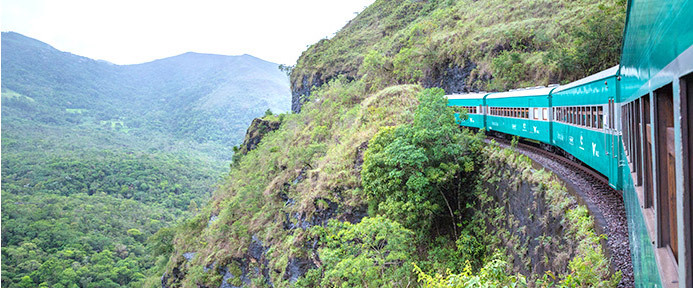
(479, 96)
(524, 92)
(613, 71)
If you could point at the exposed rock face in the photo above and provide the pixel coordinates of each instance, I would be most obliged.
(451, 77)
(300, 90)
(534, 236)
(296, 268)
(258, 129)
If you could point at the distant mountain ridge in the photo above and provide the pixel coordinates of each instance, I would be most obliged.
(182, 95)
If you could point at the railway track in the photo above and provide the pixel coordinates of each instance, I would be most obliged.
(592, 190)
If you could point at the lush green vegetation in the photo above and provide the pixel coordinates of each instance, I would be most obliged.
(422, 183)
(96, 158)
(78, 240)
(502, 45)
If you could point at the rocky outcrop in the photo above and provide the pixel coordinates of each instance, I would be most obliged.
(303, 84)
(258, 129)
(451, 77)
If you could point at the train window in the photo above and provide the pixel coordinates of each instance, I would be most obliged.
(583, 116)
(589, 117)
(600, 117)
(666, 169)
(545, 113)
(575, 115)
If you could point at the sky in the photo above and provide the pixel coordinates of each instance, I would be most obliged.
(137, 31)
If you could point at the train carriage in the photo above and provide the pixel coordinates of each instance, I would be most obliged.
(473, 105)
(655, 102)
(583, 122)
(523, 112)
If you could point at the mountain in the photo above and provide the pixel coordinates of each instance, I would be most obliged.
(98, 158)
(200, 97)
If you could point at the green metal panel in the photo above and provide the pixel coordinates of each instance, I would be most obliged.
(657, 50)
(657, 32)
(645, 269)
(588, 145)
(465, 102)
(593, 93)
(530, 129)
(473, 120)
(527, 101)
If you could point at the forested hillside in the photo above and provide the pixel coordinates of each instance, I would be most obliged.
(96, 157)
(467, 45)
(371, 183)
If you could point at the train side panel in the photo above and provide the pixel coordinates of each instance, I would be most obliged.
(535, 125)
(474, 109)
(587, 145)
(581, 124)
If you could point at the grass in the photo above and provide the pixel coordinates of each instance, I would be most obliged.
(417, 37)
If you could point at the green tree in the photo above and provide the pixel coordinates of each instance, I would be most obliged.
(412, 172)
(373, 253)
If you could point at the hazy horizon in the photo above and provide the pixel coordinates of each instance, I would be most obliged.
(132, 32)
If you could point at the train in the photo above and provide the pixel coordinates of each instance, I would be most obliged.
(631, 124)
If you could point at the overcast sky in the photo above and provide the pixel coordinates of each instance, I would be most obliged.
(136, 31)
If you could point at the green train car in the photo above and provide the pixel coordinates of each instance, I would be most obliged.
(656, 85)
(523, 112)
(583, 122)
(472, 105)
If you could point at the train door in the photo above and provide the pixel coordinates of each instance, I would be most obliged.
(612, 148)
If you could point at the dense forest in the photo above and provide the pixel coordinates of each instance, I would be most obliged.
(370, 183)
(97, 158)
